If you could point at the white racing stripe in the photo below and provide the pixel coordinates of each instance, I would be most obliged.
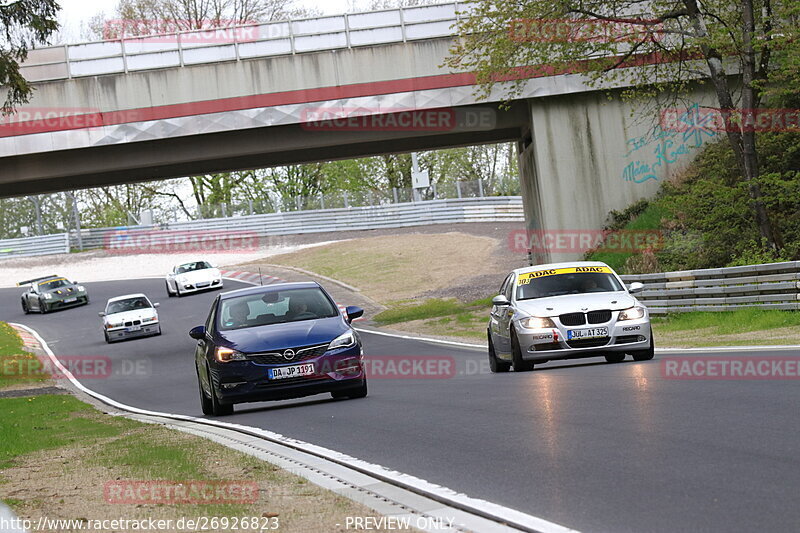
(501, 514)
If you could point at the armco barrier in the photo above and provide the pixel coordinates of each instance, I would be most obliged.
(30, 246)
(768, 286)
(448, 211)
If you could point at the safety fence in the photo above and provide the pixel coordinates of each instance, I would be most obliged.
(30, 246)
(768, 286)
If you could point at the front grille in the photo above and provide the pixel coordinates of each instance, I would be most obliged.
(627, 339)
(599, 317)
(573, 319)
(588, 343)
(292, 381)
(133, 323)
(276, 358)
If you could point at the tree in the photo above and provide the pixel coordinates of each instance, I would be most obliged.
(658, 47)
(24, 23)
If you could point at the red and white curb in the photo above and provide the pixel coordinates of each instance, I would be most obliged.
(263, 279)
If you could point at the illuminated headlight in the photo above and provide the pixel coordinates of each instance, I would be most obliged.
(345, 340)
(535, 322)
(80, 288)
(225, 355)
(632, 313)
(47, 296)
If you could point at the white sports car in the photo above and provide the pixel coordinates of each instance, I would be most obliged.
(193, 277)
(132, 315)
(567, 311)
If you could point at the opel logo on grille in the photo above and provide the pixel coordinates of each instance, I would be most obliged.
(288, 355)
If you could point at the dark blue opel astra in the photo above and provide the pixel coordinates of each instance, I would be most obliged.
(277, 342)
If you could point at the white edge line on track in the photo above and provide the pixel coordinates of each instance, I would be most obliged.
(421, 486)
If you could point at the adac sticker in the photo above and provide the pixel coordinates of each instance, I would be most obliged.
(526, 278)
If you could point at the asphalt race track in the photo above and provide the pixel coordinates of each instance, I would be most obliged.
(590, 445)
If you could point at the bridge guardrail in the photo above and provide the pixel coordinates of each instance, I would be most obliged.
(288, 37)
(31, 246)
(767, 286)
(448, 211)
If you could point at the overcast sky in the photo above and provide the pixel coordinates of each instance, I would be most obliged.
(75, 14)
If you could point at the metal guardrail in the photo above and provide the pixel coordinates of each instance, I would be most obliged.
(235, 43)
(768, 286)
(449, 211)
(30, 246)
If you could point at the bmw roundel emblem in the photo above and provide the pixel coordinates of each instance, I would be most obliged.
(288, 355)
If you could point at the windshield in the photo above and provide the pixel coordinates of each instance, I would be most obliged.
(53, 284)
(276, 307)
(190, 267)
(531, 286)
(130, 304)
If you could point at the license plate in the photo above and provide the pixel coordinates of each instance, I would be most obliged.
(70, 300)
(134, 328)
(295, 371)
(203, 284)
(590, 333)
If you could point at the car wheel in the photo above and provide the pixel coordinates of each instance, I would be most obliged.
(25, 307)
(496, 365)
(615, 357)
(217, 408)
(520, 365)
(169, 291)
(178, 291)
(649, 353)
(158, 332)
(43, 307)
(205, 401)
(108, 339)
(354, 393)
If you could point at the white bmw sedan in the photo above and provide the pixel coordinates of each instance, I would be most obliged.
(132, 315)
(193, 277)
(567, 311)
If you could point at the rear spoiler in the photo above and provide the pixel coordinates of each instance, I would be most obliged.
(34, 280)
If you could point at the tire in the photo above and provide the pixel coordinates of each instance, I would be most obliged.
(169, 291)
(217, 408)
(520, 365)
(178, 291)
(354, 393)
(157, 333)
(649, 353)
(205, 402)
(496, 365)
(615, 357)
(25, 307)
(108, 339)
(43, 307)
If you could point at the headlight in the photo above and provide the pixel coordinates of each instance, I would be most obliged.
(113, 325)
(150, 319)
(80, 288)
(632, 313)
(47, 296)
(225, 355)
(345, 340)
(535, 322)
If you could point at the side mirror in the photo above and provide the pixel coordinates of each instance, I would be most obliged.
(353, 312)
(156, 305)
(635, 287)
(101, 313)
(500, 300)
(198, 332)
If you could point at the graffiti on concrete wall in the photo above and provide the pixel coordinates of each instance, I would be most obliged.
(667, 143)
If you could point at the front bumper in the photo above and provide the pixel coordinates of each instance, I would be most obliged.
(187, 288)
(151, 328)
(53, 304)
(248, 381)
(551, 343)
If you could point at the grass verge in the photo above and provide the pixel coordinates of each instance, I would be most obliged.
(17, 366)
(443, 317)
(728, 328)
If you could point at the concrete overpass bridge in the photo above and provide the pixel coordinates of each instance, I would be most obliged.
(318, 89)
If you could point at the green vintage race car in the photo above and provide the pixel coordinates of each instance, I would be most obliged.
(50, 293)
